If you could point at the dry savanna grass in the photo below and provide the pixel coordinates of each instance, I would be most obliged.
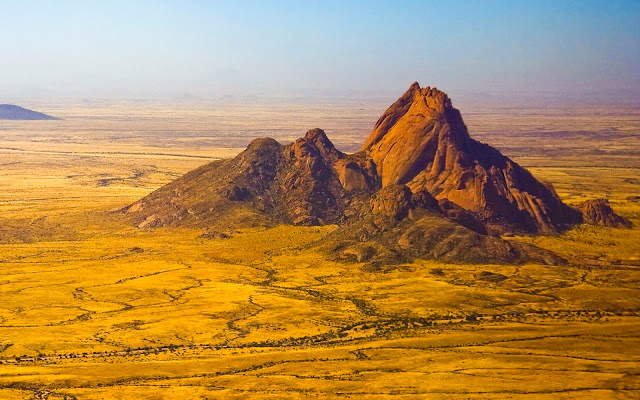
(93, 308)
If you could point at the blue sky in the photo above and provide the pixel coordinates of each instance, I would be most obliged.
(209, 48)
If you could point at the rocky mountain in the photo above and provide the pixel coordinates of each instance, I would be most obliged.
(310, 182)
(422, 141)
(13, 112)
(420, 187)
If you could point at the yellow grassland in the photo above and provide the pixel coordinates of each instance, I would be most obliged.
(94, 308)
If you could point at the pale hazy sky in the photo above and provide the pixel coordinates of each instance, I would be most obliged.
(211, 48)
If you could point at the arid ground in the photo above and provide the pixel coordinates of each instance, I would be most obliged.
(95, 308)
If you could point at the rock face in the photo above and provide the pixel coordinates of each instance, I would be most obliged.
(422, 141)
(12, 112)
(599, 212)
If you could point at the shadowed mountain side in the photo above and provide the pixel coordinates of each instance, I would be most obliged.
(398, 226)
(422, 141)
(13, 112)
(308, 182)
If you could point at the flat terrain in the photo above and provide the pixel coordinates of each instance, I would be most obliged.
(94, 308)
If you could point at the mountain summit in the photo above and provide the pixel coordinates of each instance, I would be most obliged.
(421, 141)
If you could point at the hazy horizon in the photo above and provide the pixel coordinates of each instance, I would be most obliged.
(565, 52)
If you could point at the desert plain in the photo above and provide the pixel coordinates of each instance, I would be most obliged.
(93, 307)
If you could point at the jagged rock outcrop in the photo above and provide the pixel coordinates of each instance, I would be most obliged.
(599, 212)
(422, 141)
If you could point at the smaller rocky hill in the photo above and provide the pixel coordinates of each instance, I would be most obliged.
(599, 212)
(13, 112)
(308, 182)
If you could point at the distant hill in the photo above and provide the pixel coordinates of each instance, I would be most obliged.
(13, 112)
